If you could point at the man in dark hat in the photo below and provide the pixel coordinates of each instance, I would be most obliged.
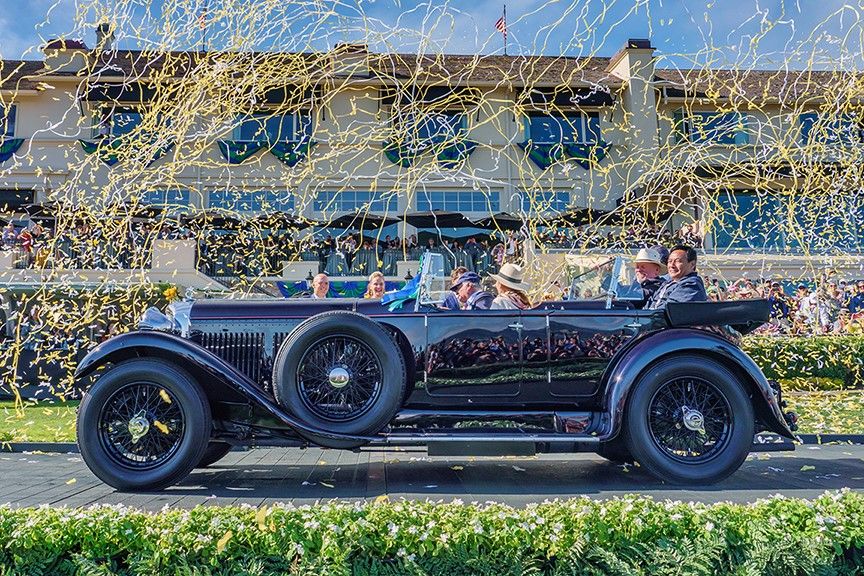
(470, 294)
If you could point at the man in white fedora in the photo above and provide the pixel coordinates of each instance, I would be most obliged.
(649, 268)
(511, 289)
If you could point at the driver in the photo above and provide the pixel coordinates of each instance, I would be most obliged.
(470, 294)
(649, 266)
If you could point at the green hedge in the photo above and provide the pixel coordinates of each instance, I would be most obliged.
(819, 361)
(629, 535)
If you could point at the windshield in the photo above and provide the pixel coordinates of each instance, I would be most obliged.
(434, 284)
(595, 281)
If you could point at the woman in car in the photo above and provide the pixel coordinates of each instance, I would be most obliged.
(375, 288)
(511, 289)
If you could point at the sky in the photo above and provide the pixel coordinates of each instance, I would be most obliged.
(687, 33)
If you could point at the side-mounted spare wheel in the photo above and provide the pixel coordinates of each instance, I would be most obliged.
(143, 425)
(689, 420)
(340, 372)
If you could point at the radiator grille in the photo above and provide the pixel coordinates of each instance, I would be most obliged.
(244, 351)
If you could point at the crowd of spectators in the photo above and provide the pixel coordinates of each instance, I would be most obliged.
(244, 251)
(629, 238)
(829, 305)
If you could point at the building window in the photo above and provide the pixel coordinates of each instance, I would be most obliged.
(252, 200)
(756, 221)
(576, 127)
(355, 201)
(7, 120)
(540, 201)
(12, 199)
(168, 198)
(432, 126)
(272, 127)
(714, 128)
(747, 220)
(842, 129)
(461, 201)
(115, 122)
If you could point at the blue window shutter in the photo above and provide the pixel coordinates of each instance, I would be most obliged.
(742, 135)
(592, 123)
(807, 121)
(680, 126)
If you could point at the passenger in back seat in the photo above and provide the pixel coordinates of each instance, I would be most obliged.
(684, 283)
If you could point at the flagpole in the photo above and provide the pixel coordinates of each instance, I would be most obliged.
(505, 29)
(203, 18)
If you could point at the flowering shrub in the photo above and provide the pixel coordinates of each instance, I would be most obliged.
(629, 535)
(809, 361)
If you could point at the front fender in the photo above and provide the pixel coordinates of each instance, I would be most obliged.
(152, 344)
(623, 373)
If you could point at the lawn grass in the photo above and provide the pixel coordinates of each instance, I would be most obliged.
(37, 422)
(840, 412)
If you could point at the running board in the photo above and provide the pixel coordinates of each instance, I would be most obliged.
(443, 444)
(427, 438)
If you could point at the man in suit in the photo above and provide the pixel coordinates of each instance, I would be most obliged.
(648, 268)
(684, 283)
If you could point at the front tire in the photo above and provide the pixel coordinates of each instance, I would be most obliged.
(689, 421)
(143, 425)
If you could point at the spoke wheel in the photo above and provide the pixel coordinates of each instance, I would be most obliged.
(340, 372)
(689, 420)
(339, 378)
(141, 425)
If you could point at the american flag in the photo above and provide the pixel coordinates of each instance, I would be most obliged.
(501, 25)
(202, 16)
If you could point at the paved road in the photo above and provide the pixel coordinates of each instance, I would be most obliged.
(305, 476)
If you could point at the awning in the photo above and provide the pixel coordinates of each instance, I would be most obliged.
(12, 199)
(364, 221)
(213, 219)
(127, 93)
(565, 96)
(438, 219)
(501, 221)
(281, 221)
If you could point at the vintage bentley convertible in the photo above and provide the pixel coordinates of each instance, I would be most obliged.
(592, 373)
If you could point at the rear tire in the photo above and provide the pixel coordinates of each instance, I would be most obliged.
(143, 425)
(689, 420)
(340, 372)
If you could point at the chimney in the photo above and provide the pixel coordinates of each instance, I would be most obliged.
(62, 55)
(104, 37)
(634, 65)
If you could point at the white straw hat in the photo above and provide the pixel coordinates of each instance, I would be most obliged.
(649, 255)
(510, 275)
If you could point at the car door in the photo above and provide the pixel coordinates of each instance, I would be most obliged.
(583, 342)
(474, 353)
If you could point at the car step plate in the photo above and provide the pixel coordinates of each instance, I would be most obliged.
(491, 448)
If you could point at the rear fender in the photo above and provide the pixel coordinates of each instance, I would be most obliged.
(186, 354)
(622, 374)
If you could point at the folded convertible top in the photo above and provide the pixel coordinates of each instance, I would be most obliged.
(743, 315)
